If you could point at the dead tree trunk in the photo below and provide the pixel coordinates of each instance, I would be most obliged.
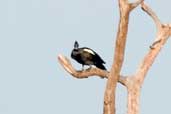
(132, 83)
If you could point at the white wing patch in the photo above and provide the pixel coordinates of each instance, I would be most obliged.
(89, 51)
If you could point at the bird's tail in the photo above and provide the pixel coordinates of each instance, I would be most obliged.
(100, 65)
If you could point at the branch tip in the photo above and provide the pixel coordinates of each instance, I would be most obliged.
(150, 12)
(64, 61)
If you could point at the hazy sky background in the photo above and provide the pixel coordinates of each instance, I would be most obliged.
(34, 32)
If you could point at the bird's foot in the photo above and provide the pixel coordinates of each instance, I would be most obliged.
(90, 67)
(83, 68)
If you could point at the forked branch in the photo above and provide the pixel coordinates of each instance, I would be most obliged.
(135, 4)
(163, 34)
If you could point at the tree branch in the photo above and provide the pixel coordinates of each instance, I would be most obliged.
(134, 83)
(149, 11)
(135, 4)
(170, 28)
(123, 80)
(163, 34)
(81, 74)
(109, 98)
(152, 54)
(64, 61)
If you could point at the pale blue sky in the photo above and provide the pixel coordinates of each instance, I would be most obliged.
(34, 32)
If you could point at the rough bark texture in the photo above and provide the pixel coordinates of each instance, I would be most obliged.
(132, 83)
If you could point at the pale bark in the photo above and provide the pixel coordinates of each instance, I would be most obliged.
(135, 82)
(109, 98)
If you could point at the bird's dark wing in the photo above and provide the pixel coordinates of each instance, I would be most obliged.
(97, 57)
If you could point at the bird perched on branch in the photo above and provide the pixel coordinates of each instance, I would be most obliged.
(87, 56)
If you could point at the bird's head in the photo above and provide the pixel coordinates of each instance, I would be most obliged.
(76, 45)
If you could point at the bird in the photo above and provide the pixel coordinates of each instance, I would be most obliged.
(87, 56)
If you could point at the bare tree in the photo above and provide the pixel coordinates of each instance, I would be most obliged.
(134, 82)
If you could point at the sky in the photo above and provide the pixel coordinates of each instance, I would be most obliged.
(34, 32)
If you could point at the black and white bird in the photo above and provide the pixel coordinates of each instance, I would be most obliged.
(87, 56)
